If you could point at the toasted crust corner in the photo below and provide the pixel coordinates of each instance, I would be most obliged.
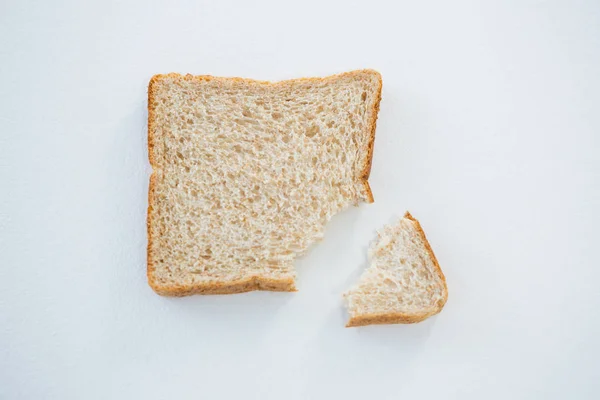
(369, 193)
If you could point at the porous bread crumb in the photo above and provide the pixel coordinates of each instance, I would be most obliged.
(246, 174)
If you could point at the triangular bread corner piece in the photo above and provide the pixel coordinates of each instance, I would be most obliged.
(404, 283)
(246, 174)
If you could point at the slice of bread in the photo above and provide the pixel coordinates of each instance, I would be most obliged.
(404, 283)
(247, 173)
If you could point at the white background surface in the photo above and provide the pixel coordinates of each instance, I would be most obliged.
(488, 133)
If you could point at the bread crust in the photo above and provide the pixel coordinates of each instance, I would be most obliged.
(372, 126)
(389, 318)
(402, 318)
(231, 287)
(255, 282)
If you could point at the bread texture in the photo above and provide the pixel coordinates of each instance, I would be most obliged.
(246, 174)
(404, 283)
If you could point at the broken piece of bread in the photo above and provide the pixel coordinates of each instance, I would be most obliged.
(404, 283)
(247, 173)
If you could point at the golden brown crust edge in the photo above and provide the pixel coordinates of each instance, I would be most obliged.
(372, 126)
(401, 318)
(191, 77)
(441, 303)
(239, 286)
(390, 318)
(254, 283)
